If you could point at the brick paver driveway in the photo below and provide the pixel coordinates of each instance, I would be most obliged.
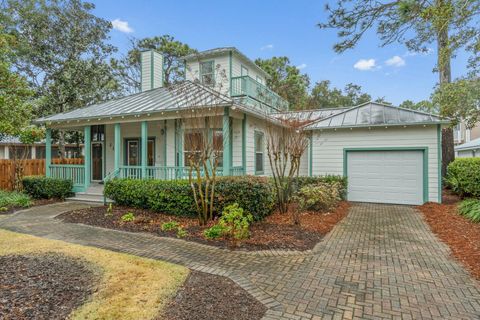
(380, 262)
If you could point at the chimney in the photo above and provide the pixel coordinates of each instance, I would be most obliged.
(151, 70)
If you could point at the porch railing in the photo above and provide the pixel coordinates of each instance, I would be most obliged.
(247, 86)
(163, 172)
(76, 173)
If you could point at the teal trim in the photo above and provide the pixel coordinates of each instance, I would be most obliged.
(48, 151)
(144, 147)
(244, 143)
(117, 145)
(439, 159)
(230, 59)
(227, 159)
(152, 65)
(165, 142)
(310, 156)
(258, 133)
(88, 155)
(425, 162)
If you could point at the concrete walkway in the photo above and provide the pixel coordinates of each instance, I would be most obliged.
(380, 262)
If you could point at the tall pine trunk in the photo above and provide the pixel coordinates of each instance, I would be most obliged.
(445, 76)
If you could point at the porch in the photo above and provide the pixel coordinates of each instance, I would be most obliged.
(148, 148)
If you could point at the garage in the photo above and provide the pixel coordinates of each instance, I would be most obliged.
(385, 176)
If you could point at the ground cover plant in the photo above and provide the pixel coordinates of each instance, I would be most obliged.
(129, 287)
(10, 200)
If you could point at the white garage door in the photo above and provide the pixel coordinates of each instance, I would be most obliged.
(385, 176)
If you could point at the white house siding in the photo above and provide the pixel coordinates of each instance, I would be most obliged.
(328, 148)
(237, 142)
(221, 65)
(468, 154)
(237, 69)
(146, 68)
(304, 163)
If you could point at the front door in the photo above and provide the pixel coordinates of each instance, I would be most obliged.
(97, 161)
(133, 152)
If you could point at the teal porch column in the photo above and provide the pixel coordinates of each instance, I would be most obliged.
(117, 144)
(88, 155)
(226, 142)
(48, 152)
(144, 148)
(244, 144)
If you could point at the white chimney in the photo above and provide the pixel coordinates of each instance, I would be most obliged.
(151, 70)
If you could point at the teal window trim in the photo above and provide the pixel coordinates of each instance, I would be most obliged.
(201, 74)
(88, 154)
(117, 143)
(48, 151)
(425, 162)
(439, 159)
(256, 134)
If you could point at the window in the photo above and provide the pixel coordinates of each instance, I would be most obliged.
(244, 71)
(98, 133)
(259, 152)
(259, 79)
(19, 152)
(218, 146)
(206, 73)
(192, 145)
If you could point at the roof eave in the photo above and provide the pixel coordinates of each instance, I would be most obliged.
(380, 125)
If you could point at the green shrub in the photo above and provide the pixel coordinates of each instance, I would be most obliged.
(319, 196)
(463, 176)
(128, 217)
(235, 222)
(40, 187)
(176, 197)
(169, 226)
(214, 232)
(303, 181)
(470, 208)
(14, 199)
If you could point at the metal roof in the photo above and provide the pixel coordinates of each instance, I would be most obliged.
(176, 97)
(223, 50)
(474, 144)
(305, 115)
(376, 114)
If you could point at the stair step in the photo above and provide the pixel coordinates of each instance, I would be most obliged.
(89, 198)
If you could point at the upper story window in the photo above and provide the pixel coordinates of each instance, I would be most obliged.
(244, 71)
(207, 76)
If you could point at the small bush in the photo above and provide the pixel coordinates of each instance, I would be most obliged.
(169, 226)
(303, 181)
(214, 232)
(463, 176)
(176, 197)
(14, 199)
(319, 197)
(128, 217)
(40, 187)
(235, 222)
(470, 208)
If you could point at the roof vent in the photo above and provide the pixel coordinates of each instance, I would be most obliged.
(151, 70)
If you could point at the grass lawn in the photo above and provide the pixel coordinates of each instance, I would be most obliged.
(130, 287)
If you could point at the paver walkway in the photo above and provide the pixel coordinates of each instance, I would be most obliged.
(380, 262)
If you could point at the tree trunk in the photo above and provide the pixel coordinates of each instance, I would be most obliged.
(61, 144)
(445, 76)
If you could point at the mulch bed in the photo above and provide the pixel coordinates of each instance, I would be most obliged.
(275, 232)
(460, 234)
(45, 286)
(39, 202)
(205, 297)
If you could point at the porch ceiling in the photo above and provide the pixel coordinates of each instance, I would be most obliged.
(182, 96)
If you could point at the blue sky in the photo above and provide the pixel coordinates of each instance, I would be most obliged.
(280, 28)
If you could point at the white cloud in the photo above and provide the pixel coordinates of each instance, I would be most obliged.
(302, 66)
(121, 26)
(267, 47)
(395, 61)
(365, 64)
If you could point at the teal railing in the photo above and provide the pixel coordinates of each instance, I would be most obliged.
(237, 171)
(163, 172)
(73, 172)
(130, 172)
(247, 86)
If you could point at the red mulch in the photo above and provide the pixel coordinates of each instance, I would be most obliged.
(460, 234)
(275, 232)
(37, 202)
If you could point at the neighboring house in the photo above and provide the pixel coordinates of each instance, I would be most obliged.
(389, 154)
(469, 149)
(11, 147)
(462, 134)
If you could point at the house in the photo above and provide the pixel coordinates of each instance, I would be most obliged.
(470, 149)
(389, 154)
(12, 147)
(462, 134)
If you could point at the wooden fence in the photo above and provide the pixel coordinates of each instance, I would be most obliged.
(31, 167)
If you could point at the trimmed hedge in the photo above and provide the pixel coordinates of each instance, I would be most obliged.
(40, 187)
(304, 181)
(254, 194)
(463, 176)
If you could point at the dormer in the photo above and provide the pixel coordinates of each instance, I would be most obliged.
(234, 74)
